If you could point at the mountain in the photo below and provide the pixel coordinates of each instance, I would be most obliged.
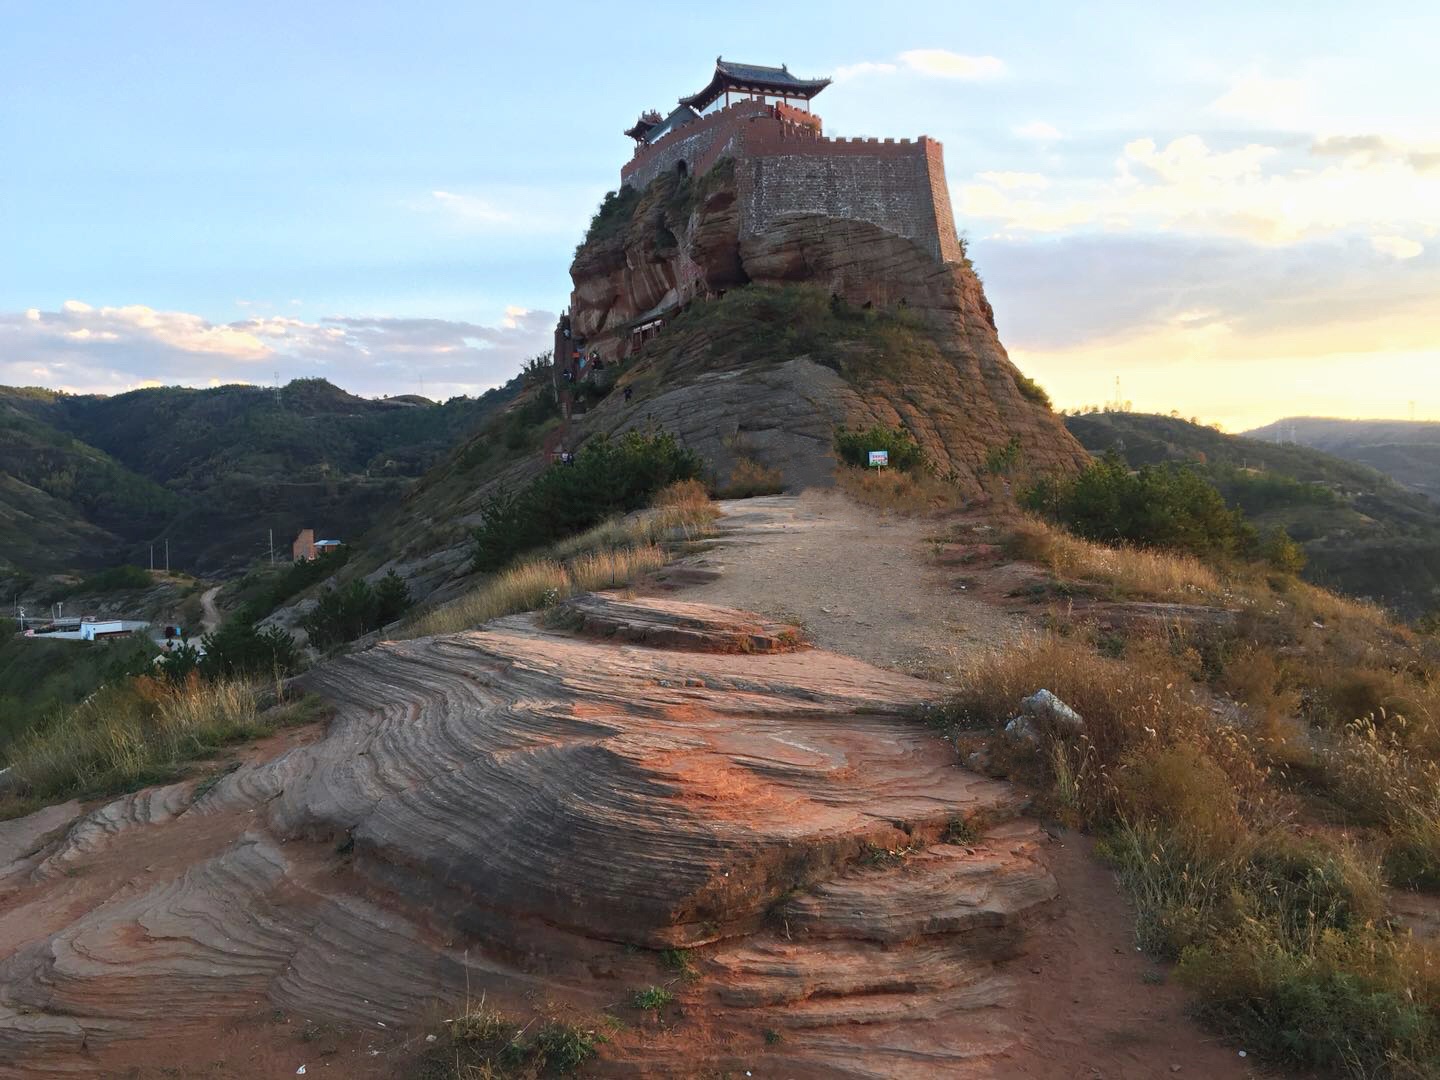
(758, 344)
(1364, 533)
(90, 480)
(1407, 451)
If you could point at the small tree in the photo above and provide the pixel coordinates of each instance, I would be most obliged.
(392, 598)
(239, 649)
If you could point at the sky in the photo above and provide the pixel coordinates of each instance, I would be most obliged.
(1233, 209)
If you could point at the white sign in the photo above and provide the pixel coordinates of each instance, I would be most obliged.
(879, 458)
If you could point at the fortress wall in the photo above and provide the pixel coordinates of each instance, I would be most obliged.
(688, 144)
(898, 186)
(784, 166)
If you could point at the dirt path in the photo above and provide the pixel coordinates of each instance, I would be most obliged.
(863, 583)
(210, 620)
(857, 579)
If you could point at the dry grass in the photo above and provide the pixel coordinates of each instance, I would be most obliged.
(1278, 922)
(898, 492)
(1131, 572)
(137, 732)
(614, 553)
(538, 583)
(749, 478)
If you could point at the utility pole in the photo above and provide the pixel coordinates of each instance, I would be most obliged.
(167, 554)
(272, 547)
(152, 558)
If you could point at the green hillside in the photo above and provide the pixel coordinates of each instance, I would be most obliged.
(1407, 451)
(88, 480)
(1364, 534)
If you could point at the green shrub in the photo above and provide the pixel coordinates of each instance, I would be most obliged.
(239, 649)
(115, 579)
(607, 477)
(262, 591)
(616, 211)
(652, 998)
(854, 446)
(1281, 552)
(1167, 505)
(1352, 1005)
(1030, 390)
(349, 612)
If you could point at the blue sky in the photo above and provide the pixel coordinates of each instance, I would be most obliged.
(1234, 208)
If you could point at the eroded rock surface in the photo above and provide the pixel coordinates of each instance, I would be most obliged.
(959, 394)
(526, 811)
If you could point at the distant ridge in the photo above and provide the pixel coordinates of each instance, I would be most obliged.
(1408, 451)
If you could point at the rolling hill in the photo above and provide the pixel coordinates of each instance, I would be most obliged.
(88, 480)
(1364, 533)
(1407, 451)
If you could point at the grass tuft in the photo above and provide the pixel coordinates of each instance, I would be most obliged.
(652, 998)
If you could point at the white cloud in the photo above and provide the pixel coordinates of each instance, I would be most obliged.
(1252, 191)
(1012, 181)
(1264, 100)
(951, 65)
(471, 208)
(86, 349)
(1037, 131)
(1398, 246)
(865, 67)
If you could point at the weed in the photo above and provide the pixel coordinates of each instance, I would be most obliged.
(960, 830)
(652, 998)
(679, 961)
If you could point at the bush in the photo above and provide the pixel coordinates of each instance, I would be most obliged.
(1167, 505)
(238, 649)
(1030, 390)
(346, 613)
(854, 447)
(608, 476)
(115, 579)
(749, 478)
(262, 591)
(616, 211)
(1281, 552)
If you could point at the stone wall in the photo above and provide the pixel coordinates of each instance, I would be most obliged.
(786, 167)
(688, 144)
(897, 186)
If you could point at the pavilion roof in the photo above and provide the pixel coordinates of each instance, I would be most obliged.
(648, 121)
(753, 77)
(681, 116)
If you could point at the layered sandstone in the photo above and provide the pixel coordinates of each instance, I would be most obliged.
(525, 812)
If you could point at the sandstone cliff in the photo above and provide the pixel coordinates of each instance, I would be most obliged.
(904, 339)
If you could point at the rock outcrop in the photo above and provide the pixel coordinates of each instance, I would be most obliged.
(951, 384)
(524, 812)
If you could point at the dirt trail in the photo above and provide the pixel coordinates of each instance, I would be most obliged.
(858, 580)
(210, 620)
(863, 583)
